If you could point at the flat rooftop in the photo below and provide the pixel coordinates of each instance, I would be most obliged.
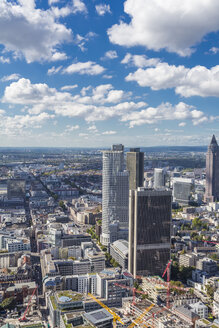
(98, 316)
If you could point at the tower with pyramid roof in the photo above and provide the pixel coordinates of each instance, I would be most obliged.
(212, 172)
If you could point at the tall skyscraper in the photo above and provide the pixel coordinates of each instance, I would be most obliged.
(182, 190)
(114, 192)
(159, 178)
(149, 231)
(135, 166)
(212, 172)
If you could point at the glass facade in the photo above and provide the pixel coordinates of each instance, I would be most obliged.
(135, 166)
(114, 191)
(150, 231)
(182, 190)
(212, 172)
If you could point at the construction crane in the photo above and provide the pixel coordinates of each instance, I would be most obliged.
(167, 271)
(23, 318)
(211, 242)
(141, 317)
(133, 289)
(116, 317)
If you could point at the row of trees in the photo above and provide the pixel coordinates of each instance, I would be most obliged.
(93, 234)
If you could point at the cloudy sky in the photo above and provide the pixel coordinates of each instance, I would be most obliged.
(95, 72)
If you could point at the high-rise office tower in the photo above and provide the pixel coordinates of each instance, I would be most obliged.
(135, 166)
(114, 192)
(212, 172)
(149, 231)
(159, 178)
(182, 190)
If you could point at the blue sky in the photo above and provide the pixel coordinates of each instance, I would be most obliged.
(91, 73)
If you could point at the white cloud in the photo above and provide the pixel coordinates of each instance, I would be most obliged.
(196, 81)
(61, 12)
(165, 112)
(18, 124)
(89, 68)
(97, 104)
(101, 113)
(109, 132)
(51, 2)
(102, 9)
(11, 77)
(214, 50)
(111, 54)
(83, 134)
(182, 124)
(59, 56)
(174, 25)
(4, 60)
(140, 60)
(82, 40)
(115, 96)
(85, 90)
(92, 128)
(106, 76)
(69, 87)
(43, 33)
(94, 104)
(72, 127)
(54, 70)
(106, 94)
(79, 7)
(23, 92)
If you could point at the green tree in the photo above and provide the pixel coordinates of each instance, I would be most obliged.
(116, 264)
(72, 258)
(185, 273)
(210, 290)
(62, 205)
(214, 257)
(8, 303)
(136, 284)
(196, 223)
(55, 196)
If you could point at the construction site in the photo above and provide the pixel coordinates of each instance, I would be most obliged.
(153, 302)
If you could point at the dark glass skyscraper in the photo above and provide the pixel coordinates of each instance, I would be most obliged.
(212, 172)
(135, 166)
(149, 231)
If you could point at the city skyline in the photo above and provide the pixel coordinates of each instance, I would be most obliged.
(71, 77)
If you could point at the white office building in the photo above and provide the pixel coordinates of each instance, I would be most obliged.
(200, 309)
(182, 189)
(159, 178)
(17, 245)
(115, 190)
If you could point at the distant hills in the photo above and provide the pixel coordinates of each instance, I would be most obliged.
(78, 149)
